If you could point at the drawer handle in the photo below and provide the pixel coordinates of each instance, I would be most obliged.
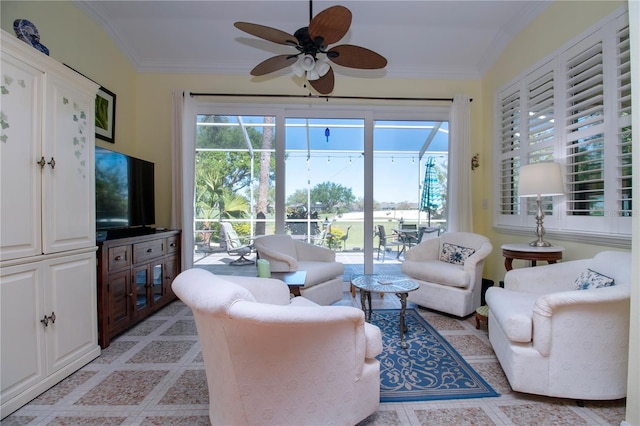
(149, 250)
(118, 258)
(172, 245)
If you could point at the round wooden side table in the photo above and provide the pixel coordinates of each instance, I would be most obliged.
(526, 252)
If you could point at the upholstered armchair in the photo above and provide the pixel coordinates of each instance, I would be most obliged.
(324, 281)
(449, 271)
(272, 360)
(562, 330)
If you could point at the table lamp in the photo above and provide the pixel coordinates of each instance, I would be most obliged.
(539, 180)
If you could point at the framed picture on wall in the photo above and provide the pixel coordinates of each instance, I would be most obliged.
(106, 115)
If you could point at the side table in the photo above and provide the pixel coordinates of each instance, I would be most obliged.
(294, 279)
(526, 252)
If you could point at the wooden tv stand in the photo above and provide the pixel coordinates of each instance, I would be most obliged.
(134, 279)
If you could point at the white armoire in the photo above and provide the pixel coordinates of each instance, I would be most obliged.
(48, 318)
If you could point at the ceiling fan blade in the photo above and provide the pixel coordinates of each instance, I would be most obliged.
(274, 64)
(267, 33)
(324, 85)
(352, 56)
(331, 24)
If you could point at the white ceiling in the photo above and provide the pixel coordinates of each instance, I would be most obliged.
(420, 39)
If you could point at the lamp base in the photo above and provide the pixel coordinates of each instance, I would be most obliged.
(540, 243)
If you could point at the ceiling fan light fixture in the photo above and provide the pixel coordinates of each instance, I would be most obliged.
(312, 75)
(304, 64)
(307, 62)
(322, 67)
(297, 69)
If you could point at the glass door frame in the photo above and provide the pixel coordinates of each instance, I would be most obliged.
(369, 114)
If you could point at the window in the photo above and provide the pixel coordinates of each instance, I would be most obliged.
(574, 109)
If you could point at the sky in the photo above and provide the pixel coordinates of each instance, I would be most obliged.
(398, 170)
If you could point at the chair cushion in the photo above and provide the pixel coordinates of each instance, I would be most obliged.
(589, 279)
(283, 244)
(455, 254)
(513, 310)
(319, 272)
(434, 271)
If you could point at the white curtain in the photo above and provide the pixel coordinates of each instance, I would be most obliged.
(459, 175)
(183, 169)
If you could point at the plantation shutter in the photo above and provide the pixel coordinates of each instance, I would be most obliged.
(510, 152)
(624, 136)
(585, 131)
(540, 128)
(574, 109)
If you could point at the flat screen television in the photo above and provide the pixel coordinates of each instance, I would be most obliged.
(125, 202)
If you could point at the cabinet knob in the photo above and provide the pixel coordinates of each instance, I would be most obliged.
(41, 163)
(130, 294)
(46, 319)
(172, 245)
(149, 250)
(52, 163)
(118, 258)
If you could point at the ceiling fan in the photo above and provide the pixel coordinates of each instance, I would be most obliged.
(312, 45)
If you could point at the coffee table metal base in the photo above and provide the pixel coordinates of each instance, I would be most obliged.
(401, 286)
(366, 295)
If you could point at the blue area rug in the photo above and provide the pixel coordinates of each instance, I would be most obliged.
(429, 369)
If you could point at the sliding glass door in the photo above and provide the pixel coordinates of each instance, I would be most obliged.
(327, 176)
(409, 185)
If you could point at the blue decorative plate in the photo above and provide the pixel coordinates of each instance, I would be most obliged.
(27, 32)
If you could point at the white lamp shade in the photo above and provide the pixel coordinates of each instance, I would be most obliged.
(540, 179)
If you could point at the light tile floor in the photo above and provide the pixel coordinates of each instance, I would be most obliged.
(153, 374)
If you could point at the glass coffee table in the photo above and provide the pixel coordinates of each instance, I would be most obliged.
(379, 283)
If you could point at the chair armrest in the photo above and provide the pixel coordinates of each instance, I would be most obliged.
(373, 336)
(264, 290)
(426, 250)
(308, 251)
(546, 278)
(273, 255)
(587, 309)
(478, 256)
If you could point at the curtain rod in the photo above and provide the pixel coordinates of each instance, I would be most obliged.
(310, 96)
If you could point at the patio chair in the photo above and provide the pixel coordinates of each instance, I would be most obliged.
(385, 241)
(235, 247)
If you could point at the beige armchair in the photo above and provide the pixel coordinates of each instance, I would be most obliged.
(553, 339)
(270, 360)
(324, 281)
(449, 271)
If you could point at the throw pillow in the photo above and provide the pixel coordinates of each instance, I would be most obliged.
(455, 254)
(589, 279)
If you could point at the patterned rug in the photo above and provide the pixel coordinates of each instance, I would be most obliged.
(429, 369)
